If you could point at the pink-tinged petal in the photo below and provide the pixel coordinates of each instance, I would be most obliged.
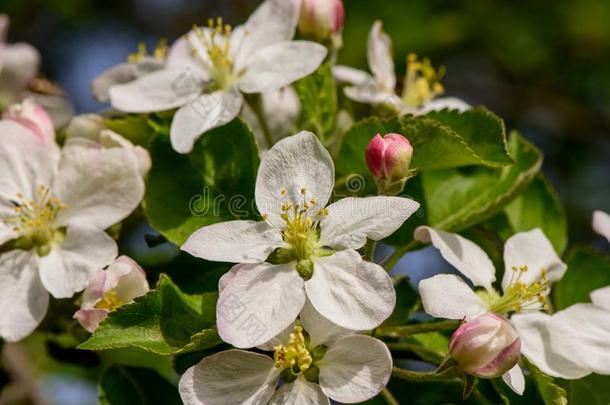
(31, 115)
(90, 319)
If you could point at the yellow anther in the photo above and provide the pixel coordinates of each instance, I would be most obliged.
(109, 301)
(294, 354)
(313, 201)
(422, 82)
(303, 190)
(283, 191)
(264, 216)
(286, 206)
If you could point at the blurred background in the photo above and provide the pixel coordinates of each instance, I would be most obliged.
(543, 66)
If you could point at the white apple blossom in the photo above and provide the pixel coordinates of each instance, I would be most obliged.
(581, 334)
(138, 64)
(214, 65)
(91, 127)
(421, 86)
(19, 65)
(301, 249)
(315, 359)
(54, 207)
(119, 284)
(601, 224)
(531, 265)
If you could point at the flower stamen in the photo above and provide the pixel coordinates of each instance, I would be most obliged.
(294, 355)
(422, 81)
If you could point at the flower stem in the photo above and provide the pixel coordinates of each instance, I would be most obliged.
(390, 399)
(423, 375)
(256, 103)
(369, 250)
(398, 254)
(399, 331)
(425, 352)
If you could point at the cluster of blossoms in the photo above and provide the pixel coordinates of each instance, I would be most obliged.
(304, 298)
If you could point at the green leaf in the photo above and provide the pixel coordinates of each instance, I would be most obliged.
(539, 207)
(591, 390)
(456, 199)
(587, 271)
(552, 394)
(214, 183)
(318, 96)
(134, 127)
(135, 386)
(444, 141)
(482, 130)
(165, 321)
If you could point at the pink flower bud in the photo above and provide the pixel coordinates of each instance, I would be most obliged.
(321, 19)
(388, 159)
(32, 116)
(486, 347)
(119, 284)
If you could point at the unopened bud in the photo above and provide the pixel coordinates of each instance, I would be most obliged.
(389, 160)
(321, 19)
(32, 116)
(486, 347)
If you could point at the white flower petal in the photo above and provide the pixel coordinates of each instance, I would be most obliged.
(601, 224)
(180, 54)
(370, 93)
(350, 221)
(23, 298)
(448, 296)
(533, 329)
(601, 298)
(301, 392)
(531, 249)
(350, 75)
(450, 103)
(132, 283)
(466, 256)
(20, 63)
(26, 162)
(514, 379)
(234, 241)
(278, 65)
(581, 333)
(350, 292)
(258, 303)
(273, 21)
(355, 368)
(281, 339)
(230, 377)
(297, 162)
(69, 266)
(321, 331)
(206, 112)
(99, 186)
(380, 58)
(162, 90)
(122, 73)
